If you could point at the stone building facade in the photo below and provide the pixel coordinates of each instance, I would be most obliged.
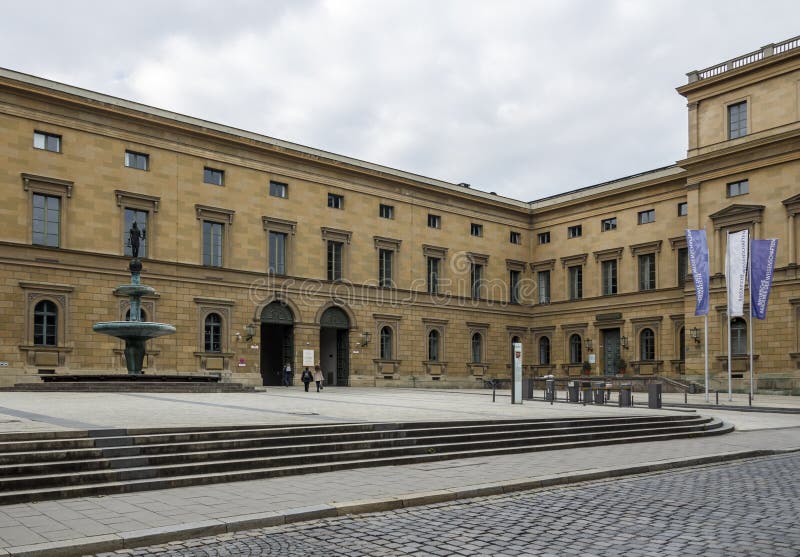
(259, 249)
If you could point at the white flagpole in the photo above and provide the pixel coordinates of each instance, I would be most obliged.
(752, 320)
(728, 312)
(705, 342)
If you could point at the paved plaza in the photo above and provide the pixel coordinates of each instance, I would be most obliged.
(113, 522)
(739, 509)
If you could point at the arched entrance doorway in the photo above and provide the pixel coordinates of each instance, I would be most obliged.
(277, 342)
(334, 346)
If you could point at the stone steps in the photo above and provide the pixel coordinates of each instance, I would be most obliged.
(132, 387)
(115, 461)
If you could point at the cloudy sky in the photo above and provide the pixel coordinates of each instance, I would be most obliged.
(524, 98)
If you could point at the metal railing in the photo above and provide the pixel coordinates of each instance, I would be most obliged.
(745, 59)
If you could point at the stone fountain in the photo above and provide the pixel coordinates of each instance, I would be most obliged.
(134, 332)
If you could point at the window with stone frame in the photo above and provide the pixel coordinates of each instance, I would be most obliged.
(738, 336)
(280, 235)
(212, 333)
(45, 324)
(48, 199)
(647, 271)
(476, 345)
(544, 350)
(215, 224)
(575, 277)
(433, 345)
(337, 243)
(575, 349)
(737, 120)
(609, 277)
(386, 343)
(647, 344)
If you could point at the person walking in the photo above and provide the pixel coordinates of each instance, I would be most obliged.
(287, 374)
(306, 378)
(318, 377)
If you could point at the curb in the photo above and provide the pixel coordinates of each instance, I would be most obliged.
(177, 532)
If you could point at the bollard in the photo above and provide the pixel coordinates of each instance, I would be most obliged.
(686, 397)
(749, 399)
(717, 397)
(494, 389)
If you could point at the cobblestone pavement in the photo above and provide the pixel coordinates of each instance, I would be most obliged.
(739, 509)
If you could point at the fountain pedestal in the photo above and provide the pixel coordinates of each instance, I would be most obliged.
(134, 332)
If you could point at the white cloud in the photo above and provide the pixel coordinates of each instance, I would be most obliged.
(519, 97)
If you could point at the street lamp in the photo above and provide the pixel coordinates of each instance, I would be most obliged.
(694, 333)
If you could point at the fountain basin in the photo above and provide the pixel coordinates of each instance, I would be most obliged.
(134, 333)
(134, 290)
(133, 329)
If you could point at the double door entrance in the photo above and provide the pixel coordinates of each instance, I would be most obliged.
(278, 345)
(611, 348)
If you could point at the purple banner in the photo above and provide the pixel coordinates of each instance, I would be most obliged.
(698, 262)
(762, 264)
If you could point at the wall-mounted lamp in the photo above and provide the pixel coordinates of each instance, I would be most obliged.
(365, 336)
(589, 345)
(694, 333)
(250, 331)
(623, 341)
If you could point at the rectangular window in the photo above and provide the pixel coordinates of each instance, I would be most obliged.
(434, 221)
(574, 231)
(47, 141)
(543, 286)
(476, 229)
(647, 271)
(647, 216)
(609, 273)
(608, 224)
(683, 209)
(543, 237)
(278, 189)
(212, 243)
(385, 277)
(140, 218)
(738, 188)
(513, 286)
(335, 201)
(515, 237)
(140, 161)
(476, 280)
(335, 260)
(683, 265)
(737, 120)
(213, 176)
(576, 282)
(386, 211)
(46, 220)
(277, 253)
(434, 264)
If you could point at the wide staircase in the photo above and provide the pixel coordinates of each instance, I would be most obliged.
(63, 464)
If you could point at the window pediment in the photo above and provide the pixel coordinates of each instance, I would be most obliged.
(737, 214)
(386, 243)
(336, 234)
(515, 264)
(544, 265)
(204, 212)
(279, 225)
(606, 254)
(645, 247)
(571, 260)
(434, 251)
(792, 204)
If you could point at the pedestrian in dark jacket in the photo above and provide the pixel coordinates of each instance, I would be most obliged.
(287, 374)
(306, 378)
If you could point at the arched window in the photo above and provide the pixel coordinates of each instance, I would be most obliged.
(738, 336)
(647, 345)
(213, 333)
(45, 320)
(575, 349)
(142, 314)
(544, 351)
(386, 343)
(433, 345)
(682, 343)
(477, 348)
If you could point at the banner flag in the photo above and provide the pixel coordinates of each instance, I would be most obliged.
(736, 271)
(762, 261)
(697, 246)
